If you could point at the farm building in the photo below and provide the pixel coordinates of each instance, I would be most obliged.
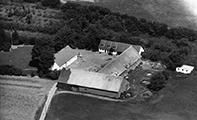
(117, 47)
(94, 83)
(64, 58)
(186, 69)
(129, 59)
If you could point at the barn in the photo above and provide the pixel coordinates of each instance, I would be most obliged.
(94, 83)
(128, 60)
(106, 46)
(64, 58)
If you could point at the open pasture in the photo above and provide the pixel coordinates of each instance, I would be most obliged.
(21, 97)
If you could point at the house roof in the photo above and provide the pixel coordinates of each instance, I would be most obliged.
(92, 80)
(187, 67)
(118, 46)
(118, 65)
(65, 55)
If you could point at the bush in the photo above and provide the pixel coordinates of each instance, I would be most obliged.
(10, 70)
(53, 75)
(51, 3)
(158, 81)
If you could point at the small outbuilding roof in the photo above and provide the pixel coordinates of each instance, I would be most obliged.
(187, 67)
(65, 55)
(91, 80)
(119, 65)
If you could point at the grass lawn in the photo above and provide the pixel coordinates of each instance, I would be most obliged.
(19, 57)
(21, 97)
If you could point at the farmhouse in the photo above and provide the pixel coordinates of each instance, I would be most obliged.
(94, 83)
(128, 60)
(64, 58)
(186, 69)
(117, 47)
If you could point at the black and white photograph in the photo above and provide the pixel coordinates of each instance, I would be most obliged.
(98, 59)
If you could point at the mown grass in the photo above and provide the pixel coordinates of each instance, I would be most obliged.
(19, 57)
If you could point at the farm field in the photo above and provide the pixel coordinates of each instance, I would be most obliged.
(19, 57)
(175, 102)
(21, 97)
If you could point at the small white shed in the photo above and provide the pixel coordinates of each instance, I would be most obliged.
(186, 69)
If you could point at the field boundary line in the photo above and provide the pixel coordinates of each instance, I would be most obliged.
(48, 101)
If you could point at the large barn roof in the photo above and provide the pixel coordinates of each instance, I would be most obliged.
(91, 80)
(65, 55)
(118, 65)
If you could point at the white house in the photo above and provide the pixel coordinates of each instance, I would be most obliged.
(64, 58)
(186, 69)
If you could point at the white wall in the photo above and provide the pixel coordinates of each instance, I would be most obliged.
(141, 50)
(56, 67)
(185, 71)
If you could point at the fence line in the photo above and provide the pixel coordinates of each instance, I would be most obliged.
(48, 101)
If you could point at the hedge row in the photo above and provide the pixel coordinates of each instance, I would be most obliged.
(32, 28)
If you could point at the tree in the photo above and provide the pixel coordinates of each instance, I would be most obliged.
(43, 56)
(157, 82)
(51, 3)
(4, 41)
(10, 70)
(15, 38)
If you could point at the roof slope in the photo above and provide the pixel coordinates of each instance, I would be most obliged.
(94, 80)
(65, 55)
(118, 65)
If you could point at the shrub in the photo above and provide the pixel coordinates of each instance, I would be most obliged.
(158, 81)
(51, 3)
(10, 70)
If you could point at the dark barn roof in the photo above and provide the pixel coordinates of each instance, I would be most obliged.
(118, 46)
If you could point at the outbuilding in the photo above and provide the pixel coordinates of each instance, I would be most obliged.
(186, 69)
(94, 83)
(64, 58)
